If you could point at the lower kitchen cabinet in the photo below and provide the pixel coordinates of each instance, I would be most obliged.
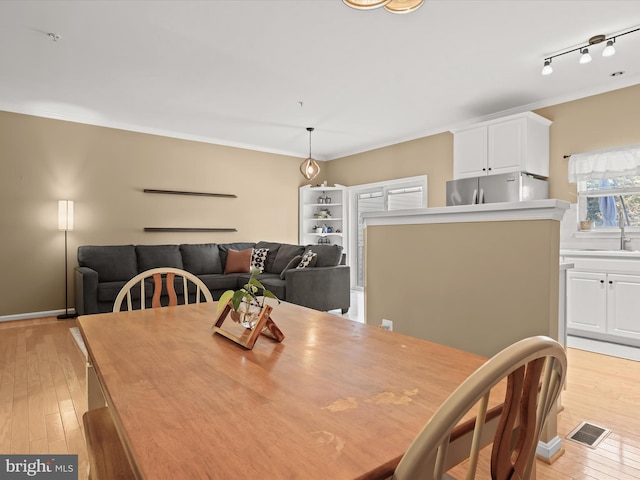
(604, 306)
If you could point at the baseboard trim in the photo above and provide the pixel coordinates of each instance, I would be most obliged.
(27, 316)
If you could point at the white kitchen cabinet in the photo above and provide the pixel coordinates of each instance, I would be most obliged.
(510, 144)
(623, 306)
(323, 215)
(586, 302)
(603, 305)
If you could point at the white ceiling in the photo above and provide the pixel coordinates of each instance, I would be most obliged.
(255, 73)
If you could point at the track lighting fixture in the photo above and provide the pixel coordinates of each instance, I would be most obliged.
(310, 168)
(585, 56)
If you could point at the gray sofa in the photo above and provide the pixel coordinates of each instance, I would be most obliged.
(103, 270)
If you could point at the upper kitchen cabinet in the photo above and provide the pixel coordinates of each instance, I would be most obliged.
(517, 143)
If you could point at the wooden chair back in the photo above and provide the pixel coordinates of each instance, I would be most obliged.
(535, 369)
(157, 274)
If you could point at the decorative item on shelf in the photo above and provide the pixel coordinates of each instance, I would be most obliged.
(321, 199)
(248, 309)
(324, 213)
(318, 229)
(327, 199)
(338, 230)
(310, 168)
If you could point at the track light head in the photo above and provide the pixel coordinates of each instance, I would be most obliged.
(609, 51)
(585, 57)
(547, 69)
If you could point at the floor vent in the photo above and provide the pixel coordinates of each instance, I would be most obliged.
(588, 434)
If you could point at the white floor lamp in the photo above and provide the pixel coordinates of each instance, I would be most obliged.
(65, 222)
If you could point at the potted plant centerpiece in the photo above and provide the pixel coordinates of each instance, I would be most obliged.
(245, 302)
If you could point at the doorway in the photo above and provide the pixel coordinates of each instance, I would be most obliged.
(399, 194)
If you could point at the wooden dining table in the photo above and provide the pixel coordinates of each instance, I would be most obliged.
(336, 399)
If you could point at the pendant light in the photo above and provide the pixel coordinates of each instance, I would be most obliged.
(309, 168)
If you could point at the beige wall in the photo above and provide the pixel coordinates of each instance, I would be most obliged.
(104, 171)
(432, 156)
(476, 286)
(595, 122)
(601, 121)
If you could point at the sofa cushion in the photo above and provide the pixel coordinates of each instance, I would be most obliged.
(292, 264)
(274, 284)
(155, 256)
(201, 258)
(238, 261)
(220, 282)
(259, 258)
(271, 282)
(271, 256)
(308, 260)
(223, 248)
(285, 253)
(108, 291)
(328, 255)
(112, 262)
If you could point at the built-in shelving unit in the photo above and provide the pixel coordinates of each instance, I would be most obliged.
(323, 215)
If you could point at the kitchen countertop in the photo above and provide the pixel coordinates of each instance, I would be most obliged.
(551, 209)
(622, 254)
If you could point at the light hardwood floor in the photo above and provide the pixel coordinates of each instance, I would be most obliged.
(42, 399)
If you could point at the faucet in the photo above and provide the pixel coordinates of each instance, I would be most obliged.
(623, 239)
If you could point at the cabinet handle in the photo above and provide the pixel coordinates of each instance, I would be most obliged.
(489, 168)
(610, 282)
(484, 169)
(601, 281)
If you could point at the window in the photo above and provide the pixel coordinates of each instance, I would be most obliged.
(604, 201)
(608, 186)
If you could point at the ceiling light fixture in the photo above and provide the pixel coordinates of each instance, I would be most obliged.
(585, 57)
(393, 6)
(309, 168)
(609, 51)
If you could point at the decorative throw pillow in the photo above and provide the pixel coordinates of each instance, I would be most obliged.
(238, 261)
(293, 263)
(258, 258)
(308, 259)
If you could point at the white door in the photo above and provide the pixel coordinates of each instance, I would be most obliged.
(624, 305)
(371, 201)
(586, 302)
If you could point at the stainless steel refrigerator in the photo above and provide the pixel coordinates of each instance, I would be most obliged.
(506, 187)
